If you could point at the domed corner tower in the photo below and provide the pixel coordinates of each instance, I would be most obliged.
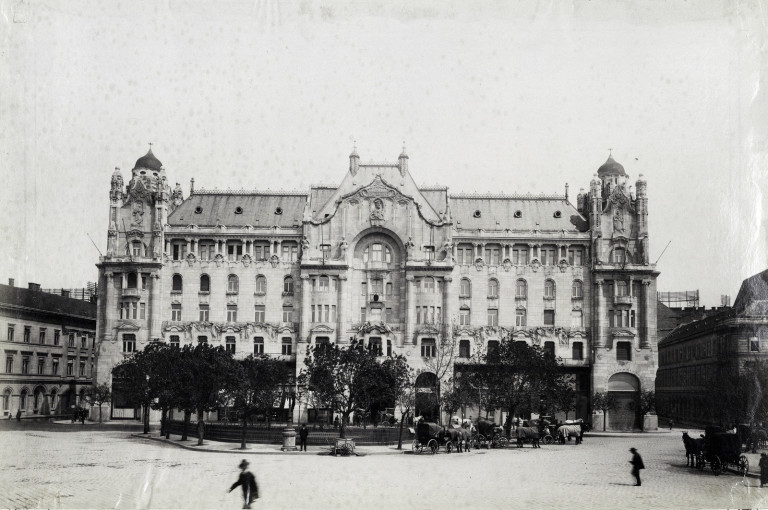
(624, 339)
(129, 284)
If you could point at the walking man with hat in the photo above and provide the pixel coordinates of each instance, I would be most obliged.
(248, 483)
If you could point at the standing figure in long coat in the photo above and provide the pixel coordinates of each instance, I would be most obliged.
(248, 483)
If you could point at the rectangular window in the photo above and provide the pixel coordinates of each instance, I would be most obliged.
(129, 343)
(492, 256)
(260, 315)
(464, 349)
(312, 309)
(429, 253)
(10, 333)
(142, 311)
(577, 319)
(70, 367)
(520, 255)
(81, 373)
(389, 316)
(464, 317)
(84, 342)
(464, 254)
(362, 315)
(493, 317)
(611, 321)
(577, 351)
(327, 313)
(549, 348)
(754, 345)
(205, 313)
(234, 251)
(9, 364)
(55, 366)
(623, 351)
(260, 251)
(42, 336)
(71, 341)
(207, 250)
(231, 313)
(632, 319)
(418, 315)
(290, 252)
(520, 317)
(258, 345)
(287, 343)
(549, 317)
(40, 366)
(325, 251)
(377, 286)
(25, 365)
(428, 348)
(27, 334)
(333, 313)
(364, 289)
(202, 340)
(231, 344)
(287, 314)
(175, 341)
(56, 337)
(175, 312)
(178, 250)
(548, 255)
(576, 256)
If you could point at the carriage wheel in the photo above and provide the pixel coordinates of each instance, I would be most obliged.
(716, 465)
(743, 465)
(433, 446)
(548, 439)
(448, 447)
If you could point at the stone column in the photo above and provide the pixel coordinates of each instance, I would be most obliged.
(599, 314)
(642, 318)
(154, 312)
(278, 246)
(410, 313)
(447, 302)
(305, 308)
(344, 304)
(110, 306)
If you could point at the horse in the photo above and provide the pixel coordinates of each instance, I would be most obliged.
(454, 436)
(531, 433)
(692, 450)
(568, 431)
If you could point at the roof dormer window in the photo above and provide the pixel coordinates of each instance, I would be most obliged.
(238, 210)
(477, 214)
(278, 210)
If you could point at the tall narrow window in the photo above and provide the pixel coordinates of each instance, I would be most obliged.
(623, 351)
(428, 348)
(548, 255)
(176, 283)
(205, 313)
(429, 285)
(231, 313)
(577, 290)
(549, 348)
(286, 344)
(429, 253)
(549, 317)
(205, 283)
(464, 254)
(549, 289)
(521, 289)
(261, 284)
(463, 348)
(577, 351)
(492, 255)
(27, 334)
(258, 345)
(176, 312)
(621, 288)
(56, 337)
(362, 315)
(364, 289)
(388, 289)
(493, 317)
(233, 284)
(129, 343)
(10, 333)
(290, 251)
(519, 255)
(576, 256)
(260, 315)
(287, 314)
(178, 250)
(464, 316)
(175, 341)
(492, 351)
(577, 319)
(234, 250)
(42, 336)
(9, 364)
(493, 288)
(323, 283)
(466, 288)
(230, 344)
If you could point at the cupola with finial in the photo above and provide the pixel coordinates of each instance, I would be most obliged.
(354, 160)
(403, 161)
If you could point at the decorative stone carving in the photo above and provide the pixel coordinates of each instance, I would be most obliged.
(137, 213)
(535, 265)
(507, 265)
(218, 259)
(191, 259)
(274, 260)
(246, 260)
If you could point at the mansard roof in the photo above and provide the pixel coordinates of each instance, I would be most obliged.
(753, 295)
(515, 212)
(256, 208)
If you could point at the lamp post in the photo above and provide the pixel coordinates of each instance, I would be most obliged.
(146, 407)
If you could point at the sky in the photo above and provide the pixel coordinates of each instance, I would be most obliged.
(486, 96)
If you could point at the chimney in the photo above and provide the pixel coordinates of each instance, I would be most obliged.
(34, 287)
(11, 282)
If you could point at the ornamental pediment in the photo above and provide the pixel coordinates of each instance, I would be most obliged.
(625, 333)
(322, 328)
(127, 325)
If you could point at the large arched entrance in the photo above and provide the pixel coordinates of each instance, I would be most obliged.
(625, 388)
(426, 397)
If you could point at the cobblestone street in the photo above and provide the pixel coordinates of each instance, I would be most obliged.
(51, 466)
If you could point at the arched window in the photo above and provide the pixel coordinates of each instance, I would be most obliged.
(549, 289)
(577, 289)
(493, 288)
(205, 283)
(23, 401)
(176, 283)
(288, 285)
(466, 288)
(521, 289)
(7, 401)
(261, 284)
(233, 284)
(132, 281)
(53, 401)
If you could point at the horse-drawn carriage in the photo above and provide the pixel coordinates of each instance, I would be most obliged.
(720, 449)
(428, 437)
(489, 435)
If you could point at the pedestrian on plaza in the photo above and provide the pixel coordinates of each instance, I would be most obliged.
(18, 414)
(763, 469)
(248, 483)
(336, 423)
(671, 423)
(637, 465)
(303, 434)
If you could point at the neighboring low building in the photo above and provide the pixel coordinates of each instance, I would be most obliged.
(47, 346)
(698, 352)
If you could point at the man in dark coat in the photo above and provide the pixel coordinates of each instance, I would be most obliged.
(763, 469)
(303, 434)
(248, 483)
(637, 465)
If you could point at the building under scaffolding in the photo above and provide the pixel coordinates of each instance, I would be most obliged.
(683, 299)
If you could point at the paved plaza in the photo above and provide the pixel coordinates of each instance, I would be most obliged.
(55, 466)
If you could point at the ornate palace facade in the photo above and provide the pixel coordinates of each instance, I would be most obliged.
(403, 268)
